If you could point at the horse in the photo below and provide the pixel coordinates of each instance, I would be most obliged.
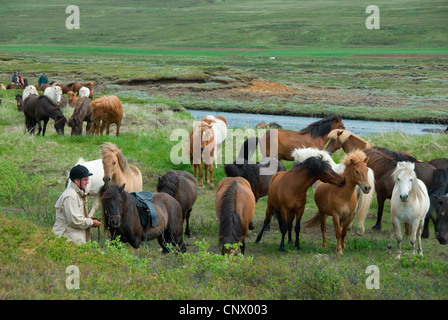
(54, 92)
(95, 181)
(19, 101)
(234, 207)
(38, 108)
(442, 219)
(72, 98)
(2, 86)
(118, 170)
(28, 91)
(84, 92)
(259, 183)
(340, 202)
(182, 186)
(106, 110)
(409, 204)
(364, 200)
(121, 218)
(285, 141)
(219, 126)
(436, 189)
(82, 112)
(348, 141)
(287, 193)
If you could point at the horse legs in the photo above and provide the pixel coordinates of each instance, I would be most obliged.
(396, 231)
(283, 224)
(381, 201)
(323, 227)
(267, 220)
(337, 231)
(299, 214)
(210, 182)
(187, 227)
(419, 237)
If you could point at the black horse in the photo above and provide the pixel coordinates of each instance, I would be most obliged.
(437, 189)
(41, 108)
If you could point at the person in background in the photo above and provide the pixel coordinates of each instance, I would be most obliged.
(15, 79)
(20, 79)
(43, 79)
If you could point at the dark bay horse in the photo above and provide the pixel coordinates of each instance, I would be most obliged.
(82, 113)
(285, 141)
(234, 207)
(182, 186)
(340, 202)
(287, 194)
(42, 108)
(259, 183)
(121, 218)
(442, 218)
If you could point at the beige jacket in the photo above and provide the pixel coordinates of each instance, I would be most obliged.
(72, 218)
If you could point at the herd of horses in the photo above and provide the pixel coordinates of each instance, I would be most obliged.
(344, 190)
(98, 114)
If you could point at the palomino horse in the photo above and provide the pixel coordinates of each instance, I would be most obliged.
(409, 204)
(182, 186)
(363, 200)
(340, 203)
(118, 170)
(285, 141)
(234, 207)
(121, 218)
(42, 108)
(287, 193)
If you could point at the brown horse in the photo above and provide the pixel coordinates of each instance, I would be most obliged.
(118, 170)
(106, 110)
(348, 141)
(202, 149)
(285, 141)
(82, 113)
(41, 108)
(234, 207)
(182, 186)
(121, 218)
(340, 203)
(287, 194)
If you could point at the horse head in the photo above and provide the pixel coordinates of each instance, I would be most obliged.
(112, 205)
(404, 178)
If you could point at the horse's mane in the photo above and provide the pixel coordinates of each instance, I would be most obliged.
(439, 182)
(315, 165)
(408, 168)
(319, 128)
(230, 229)
(354, 157)
(301, 154)
(343, 135)
(108, 149)
(379, 162)
(80, 110)
(249, 171)
(168, 183)
(399, 156)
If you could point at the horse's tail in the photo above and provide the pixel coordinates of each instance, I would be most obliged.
(248, 148)
(364, 202)
(230, 229)
(312, 222)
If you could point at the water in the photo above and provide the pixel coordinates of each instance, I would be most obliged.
(358, 127)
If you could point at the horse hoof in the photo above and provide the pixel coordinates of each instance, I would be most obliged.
(376, 227)
(211, 187)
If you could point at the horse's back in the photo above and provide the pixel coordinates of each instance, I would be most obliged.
(169, 209)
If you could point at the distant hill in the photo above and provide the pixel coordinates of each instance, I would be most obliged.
(228, 23)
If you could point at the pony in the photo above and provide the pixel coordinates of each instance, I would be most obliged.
(182, 186)
(19, 101)
(106, 110)
(64, 87)
(442, 219)
(82, 113)
(95, 181)
(2, 86)
(121, 218)
(54, 92)
(259, 183)
(287, 193)
(348, 141)
(72, 98)
(340, 202)
(28, 91)
(84, 92)
(364, 200)
(38, 108)
(409, 204)
(437, 189)
(234, 207)
(219, 126)
(285, 141)
(118, 170)
(201, 149)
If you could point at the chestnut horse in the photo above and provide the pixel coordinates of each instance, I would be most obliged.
(287, 193)
(285, 141)
(106, 110)
(118, 170)
(121, 218)
(182, 186)
(340, 203)
(234, 207)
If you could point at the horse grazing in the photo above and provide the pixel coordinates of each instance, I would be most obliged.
(42, 108)
(121, 218)
(106, 110)
(259, 183)
(287, 193)
(442, 219)
(182, 186)
(118, 170)
(409, 204)
(82, 113)
(54, 92)
(234, 207)
(340, 203)
(285, 141)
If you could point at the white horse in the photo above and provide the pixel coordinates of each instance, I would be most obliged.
(95, 181)
(54, 92)
(84, 92)
(29, 90)
(409, 204)
(363, 200)
(219, 128)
